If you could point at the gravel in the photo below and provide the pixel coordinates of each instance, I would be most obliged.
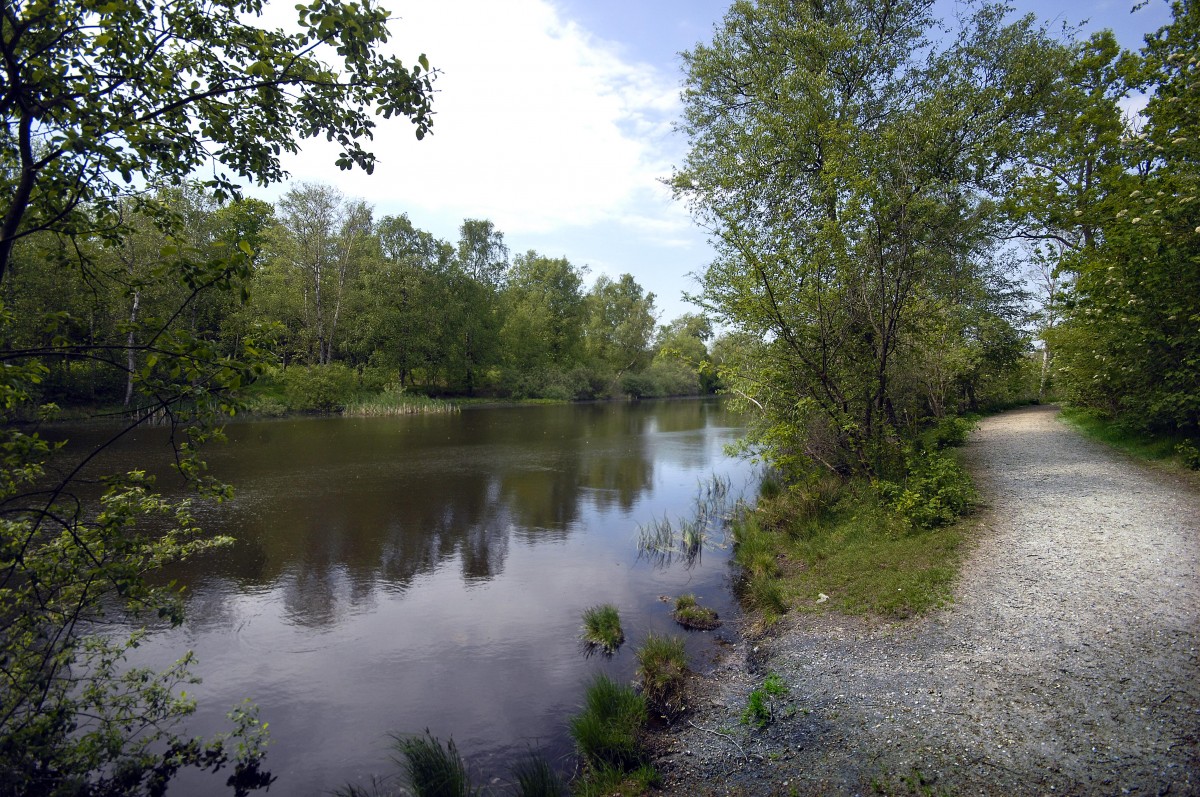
(1068, 663)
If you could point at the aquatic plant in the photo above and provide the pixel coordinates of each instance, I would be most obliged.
(431, 768)
(664, 542)
(536, 778)
(662, 667)
(690, 614)
(607, 732)
(602, 628)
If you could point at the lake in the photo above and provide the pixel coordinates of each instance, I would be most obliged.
(398, 574)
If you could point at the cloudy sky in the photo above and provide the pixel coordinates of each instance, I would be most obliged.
(554, 120)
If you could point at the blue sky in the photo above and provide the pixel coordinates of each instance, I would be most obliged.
(554, 120)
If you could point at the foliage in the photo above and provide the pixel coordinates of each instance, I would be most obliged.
(844, 164)
(662, 667)
(936, 489)
(690, 614)
(97, 93)
(1128, 345)
(318, 388)
(607, 731)
(761, 702)
(602, 628)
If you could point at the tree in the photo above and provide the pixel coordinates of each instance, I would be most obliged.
(1128, 345)
(101, 101)
(620, 324)
(844, 166)
(97, 93)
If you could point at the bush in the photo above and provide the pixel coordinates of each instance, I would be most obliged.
(760, 704)
(607, 732)
(535, 778)
(936, 492)
(431, 769)
(319, 388)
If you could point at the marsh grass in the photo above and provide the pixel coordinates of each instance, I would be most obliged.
(664, 542)
(536, 778)
(662, 668)
(431, 768)
(391, 403)
(602, 628)
(690, 614)
(607, 733)
(616, 782)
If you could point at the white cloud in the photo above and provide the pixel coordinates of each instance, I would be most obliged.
(539, 125)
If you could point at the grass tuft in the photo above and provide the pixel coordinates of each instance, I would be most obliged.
(536, 778)
(690, 614)
(602, 628)
(662, 667)
(433, 769)
(607, 732)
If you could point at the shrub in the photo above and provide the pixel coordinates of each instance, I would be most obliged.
(602, 628)
(936, 491)
(607, 732)
(690, 614)
(318, 388)
(662, 666)
(433, 770)
(1189, 454)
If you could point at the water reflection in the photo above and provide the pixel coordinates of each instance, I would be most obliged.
(397, 574)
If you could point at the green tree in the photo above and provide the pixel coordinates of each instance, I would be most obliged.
(99, 100)
(543, 320)
(1129, 344)
(845, 172)
(619, 327)
(99, 92)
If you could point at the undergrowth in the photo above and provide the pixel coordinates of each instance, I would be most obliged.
(1174, 449)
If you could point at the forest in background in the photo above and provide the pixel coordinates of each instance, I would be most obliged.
(341, 304)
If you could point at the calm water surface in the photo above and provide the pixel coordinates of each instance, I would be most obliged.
(398, 574)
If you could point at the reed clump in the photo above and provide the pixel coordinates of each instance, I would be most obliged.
(662, 668)
(602, 628)
(431, 768)
(608, 731)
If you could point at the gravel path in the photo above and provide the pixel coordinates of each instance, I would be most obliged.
(1069, 663)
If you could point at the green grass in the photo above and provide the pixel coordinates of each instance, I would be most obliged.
(431, 768)
(391, 403)
(607, 732)
(616, 782)
(1175, 450)
(690, 614)
(760, 703)
(602, 628)
(536, 778)
(662, 668)
(849, 546)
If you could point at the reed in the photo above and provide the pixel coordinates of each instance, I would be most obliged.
(607, 732)
(433, 769)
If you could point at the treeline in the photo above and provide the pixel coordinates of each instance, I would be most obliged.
(338, 303)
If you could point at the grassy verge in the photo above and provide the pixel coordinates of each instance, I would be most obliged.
(856, 555)
(1173, 450)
